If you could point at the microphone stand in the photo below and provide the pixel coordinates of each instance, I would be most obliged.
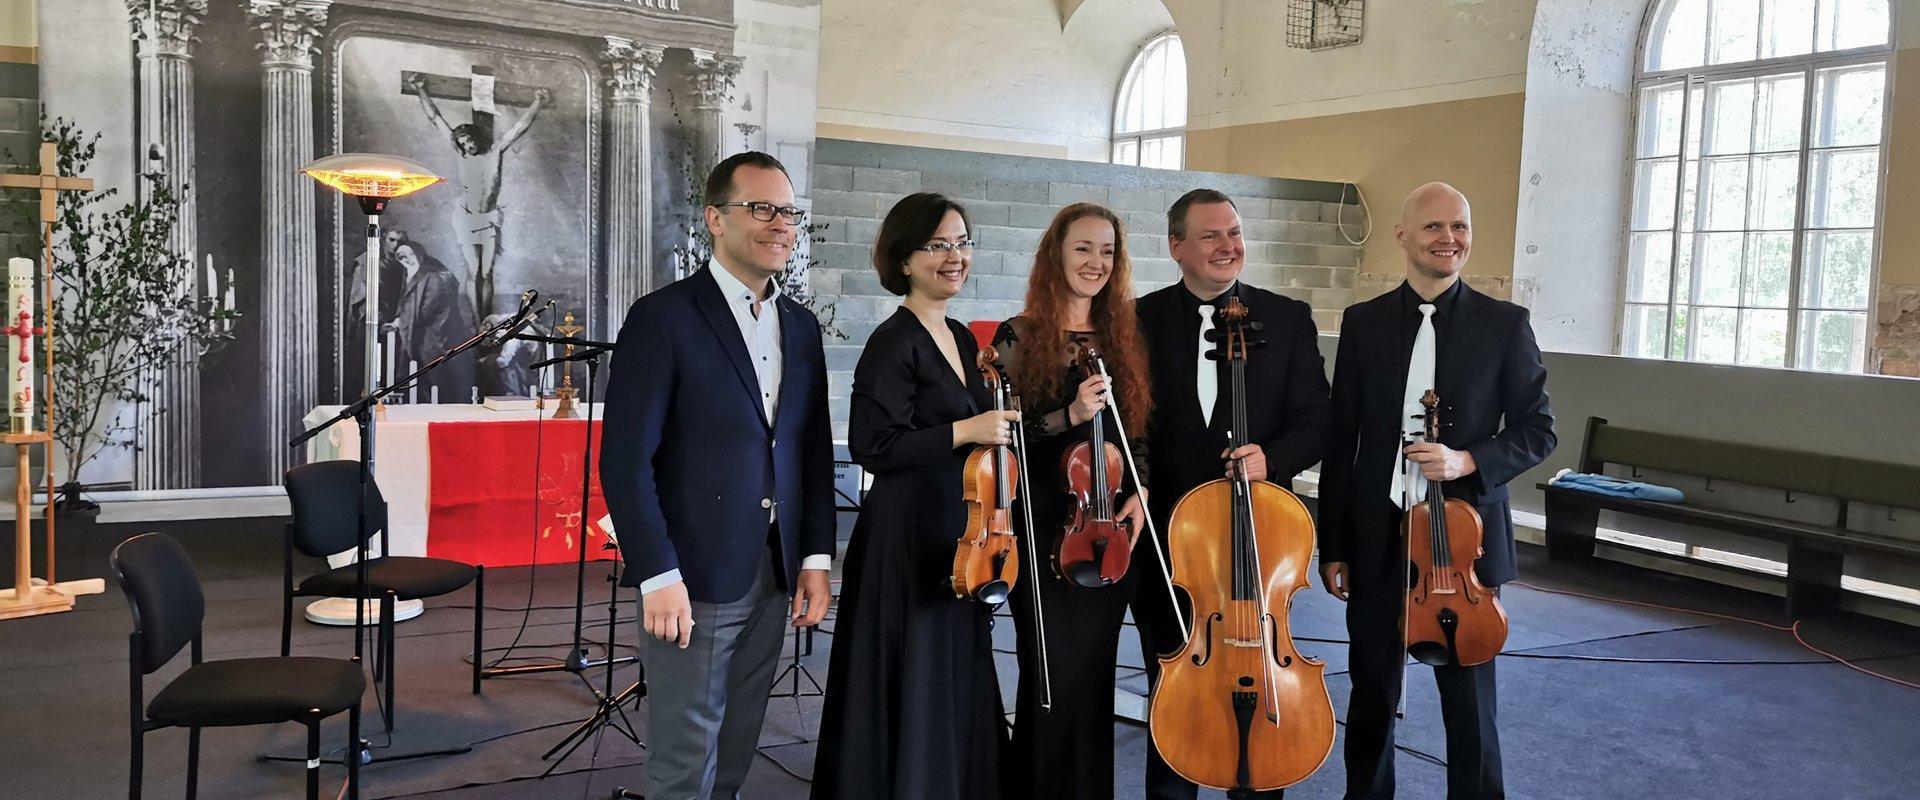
(576, 661)
(607, 704)
(361, 412)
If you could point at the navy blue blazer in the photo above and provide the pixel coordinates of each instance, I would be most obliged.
(690, 465)
(1493, 390)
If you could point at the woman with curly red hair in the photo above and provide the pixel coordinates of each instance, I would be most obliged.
(1079, 294)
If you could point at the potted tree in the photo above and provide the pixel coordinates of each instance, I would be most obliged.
(125, 303)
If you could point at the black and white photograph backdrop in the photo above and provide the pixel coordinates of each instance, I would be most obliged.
(566, 132)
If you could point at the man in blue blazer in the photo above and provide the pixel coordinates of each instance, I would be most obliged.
(718, 471)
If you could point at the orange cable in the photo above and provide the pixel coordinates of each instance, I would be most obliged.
(1793, 628)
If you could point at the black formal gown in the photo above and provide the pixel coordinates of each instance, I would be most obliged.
(1065, 751)
(913, 705)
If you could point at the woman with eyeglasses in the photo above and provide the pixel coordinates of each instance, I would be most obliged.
(1079, 296)
(913, 705)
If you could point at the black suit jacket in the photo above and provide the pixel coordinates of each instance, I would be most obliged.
(1287, 410)
(690, 464)
(1493, 396)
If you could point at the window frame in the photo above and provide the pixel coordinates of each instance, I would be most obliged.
(1693, 81)
(1139, 138)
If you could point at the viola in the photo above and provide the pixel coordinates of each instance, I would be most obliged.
(1238, 708)
(1451, 618)
(1094, 550)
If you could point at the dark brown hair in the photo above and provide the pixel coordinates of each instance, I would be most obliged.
(1177, 213)
(910, 224)
(720, 180)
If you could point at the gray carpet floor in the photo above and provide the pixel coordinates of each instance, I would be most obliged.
(1597, 699)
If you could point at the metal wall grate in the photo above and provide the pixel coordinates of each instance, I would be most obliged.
(1320, 24)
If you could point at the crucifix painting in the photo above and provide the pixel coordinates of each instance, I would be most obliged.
(479, 224)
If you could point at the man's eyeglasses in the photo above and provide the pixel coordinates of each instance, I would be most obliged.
(764, 211)
(943, 248)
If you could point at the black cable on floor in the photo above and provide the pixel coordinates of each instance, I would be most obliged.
(533, 554)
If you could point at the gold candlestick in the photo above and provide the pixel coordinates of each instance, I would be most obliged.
(566, 391)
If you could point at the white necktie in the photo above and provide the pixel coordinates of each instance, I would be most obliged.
(1207, 376)
(1407, 484)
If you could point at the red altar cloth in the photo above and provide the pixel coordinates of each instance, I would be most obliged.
(488, 497)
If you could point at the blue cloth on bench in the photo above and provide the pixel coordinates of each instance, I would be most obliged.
(1617, 487)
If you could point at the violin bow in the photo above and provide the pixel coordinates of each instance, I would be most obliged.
(1033, 557)
(1153, 534)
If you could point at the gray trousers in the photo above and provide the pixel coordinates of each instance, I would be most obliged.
(706, 702)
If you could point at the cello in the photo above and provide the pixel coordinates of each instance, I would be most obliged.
(1237, 707)
(1093, 551)
(1450, 617)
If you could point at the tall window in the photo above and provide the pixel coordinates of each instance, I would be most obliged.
(1150, 120)
(1756, 182)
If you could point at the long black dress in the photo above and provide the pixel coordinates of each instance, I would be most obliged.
(913, 706)
(1066, 751)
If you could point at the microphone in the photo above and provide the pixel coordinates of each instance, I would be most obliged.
(524, 317)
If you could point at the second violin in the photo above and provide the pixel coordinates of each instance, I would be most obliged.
(1094, 550)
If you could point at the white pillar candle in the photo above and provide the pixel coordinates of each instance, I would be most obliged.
(20, 331)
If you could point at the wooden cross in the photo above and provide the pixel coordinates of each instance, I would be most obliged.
(50, 182)
(26, 599)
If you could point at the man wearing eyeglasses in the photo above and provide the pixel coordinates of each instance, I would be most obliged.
(718, 472)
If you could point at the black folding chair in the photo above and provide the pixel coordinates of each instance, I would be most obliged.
(168, 608)
(325, 518)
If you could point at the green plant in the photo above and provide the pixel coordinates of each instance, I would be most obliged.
(694, 246)
(124, 305)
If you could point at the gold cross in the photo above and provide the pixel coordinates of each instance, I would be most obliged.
(568, 329)
(50, 182)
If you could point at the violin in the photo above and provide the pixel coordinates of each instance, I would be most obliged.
(1237, 707)
(1451, 618)
(985, 561)
(1093, 551)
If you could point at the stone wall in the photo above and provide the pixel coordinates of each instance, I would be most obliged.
(1896, 343)
(19, 152)
(1294, 245)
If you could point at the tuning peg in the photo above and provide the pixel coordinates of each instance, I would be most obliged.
(1257, 344)
(1255, 326)
(1213, 335)
(1213, 355)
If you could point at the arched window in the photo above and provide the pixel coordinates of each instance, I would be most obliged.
(1150, 119)
(1756, 182)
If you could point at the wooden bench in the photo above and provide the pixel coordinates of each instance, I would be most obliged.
(1814, 551)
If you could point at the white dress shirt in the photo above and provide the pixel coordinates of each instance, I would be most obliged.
(759, 321)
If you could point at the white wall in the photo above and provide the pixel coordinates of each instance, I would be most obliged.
(1568, 247)
(781, 44)
(997, 76)
(1241, 72)
(101, 62)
